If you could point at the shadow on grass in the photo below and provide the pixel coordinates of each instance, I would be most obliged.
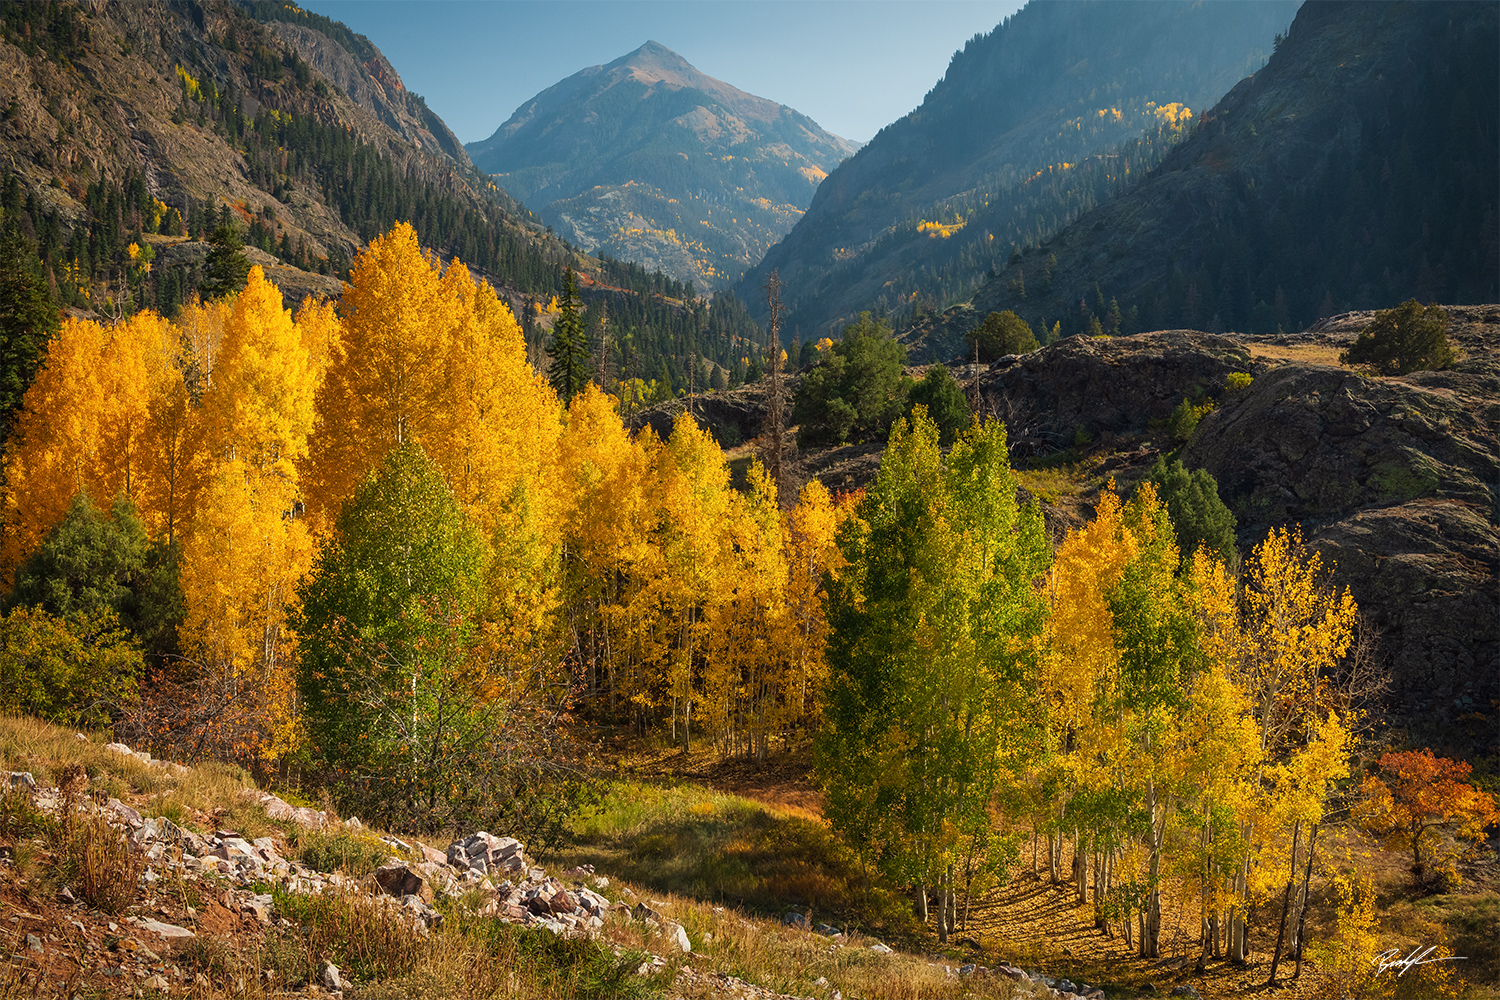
(721, 848)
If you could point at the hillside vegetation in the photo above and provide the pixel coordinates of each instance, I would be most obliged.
(1033, 124)
(1357, 170)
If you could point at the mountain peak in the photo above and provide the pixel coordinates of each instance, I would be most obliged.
(654, 64)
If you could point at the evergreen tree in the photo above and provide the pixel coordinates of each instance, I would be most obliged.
(1198, 515)
(569, 350)
(944, 400)
(226, 268)
(1002, 333)
(1409, 338)
(90, 563)
(28, 318)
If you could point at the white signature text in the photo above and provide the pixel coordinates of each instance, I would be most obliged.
(1393, 959)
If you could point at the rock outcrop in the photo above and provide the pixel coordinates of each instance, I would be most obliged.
(1394, 480)
(1084, 388)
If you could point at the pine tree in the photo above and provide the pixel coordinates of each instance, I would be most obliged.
(569, 349)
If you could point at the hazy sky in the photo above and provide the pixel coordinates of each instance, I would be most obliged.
(853, 66)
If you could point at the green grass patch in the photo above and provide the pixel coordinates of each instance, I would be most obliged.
(724, 849)
(344, 851)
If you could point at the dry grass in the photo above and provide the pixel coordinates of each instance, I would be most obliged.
(1307, 354)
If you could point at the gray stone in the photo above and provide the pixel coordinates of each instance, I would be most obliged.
(165, 930)
(329, 976)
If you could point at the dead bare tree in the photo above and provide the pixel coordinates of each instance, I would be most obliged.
(776, 402)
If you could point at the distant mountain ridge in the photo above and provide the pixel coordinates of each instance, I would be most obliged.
(1360, 168)
(1008, 147)
(647, 159)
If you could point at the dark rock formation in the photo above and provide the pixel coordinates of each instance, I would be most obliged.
(1394, 480)
(1118, 386)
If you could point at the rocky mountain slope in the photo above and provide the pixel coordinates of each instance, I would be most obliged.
(649, 160)
(203, 108)
(1358, 169)
(1008, 147)
(150, 125)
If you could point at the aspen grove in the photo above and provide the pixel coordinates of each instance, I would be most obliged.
(1173, 729)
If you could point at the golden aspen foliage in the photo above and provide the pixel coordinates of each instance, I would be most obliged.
(602, 471)
(239, 567)
(85, 424)
(385, 380)
(811, 542)
(258, 406)
(247, 548)
(690, 482)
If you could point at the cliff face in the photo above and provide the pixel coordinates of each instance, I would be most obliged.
(1394, 480)
(651, 161)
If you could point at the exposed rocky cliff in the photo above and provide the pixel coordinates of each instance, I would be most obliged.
(1394, 480)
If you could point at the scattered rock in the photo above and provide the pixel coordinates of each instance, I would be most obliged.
(164, 930)
(330, 977)
(487, 854)
(679, 937)
(396, 879)
(880, 949)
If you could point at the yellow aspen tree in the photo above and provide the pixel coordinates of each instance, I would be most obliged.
(495, 439)
(84, 424)
(741, 654)
(385, 383)
(602, 472)
(248, 548)
(810, 540)
(1281, 636)
(691, 484)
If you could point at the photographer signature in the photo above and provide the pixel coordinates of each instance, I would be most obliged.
(1393, 959)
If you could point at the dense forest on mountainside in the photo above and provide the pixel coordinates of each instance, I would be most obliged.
(648, 159)
(1358, 169)
(238, 128)
(999, 153)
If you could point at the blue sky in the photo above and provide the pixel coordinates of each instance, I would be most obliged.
(853, 66)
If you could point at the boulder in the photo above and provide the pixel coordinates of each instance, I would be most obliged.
(395, 878)
(1116, 386)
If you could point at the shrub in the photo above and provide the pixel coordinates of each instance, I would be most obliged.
(856, 391)
(1408, 338)
(1002, 333)
(944, 400)
(341, 851)
(73, 671)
